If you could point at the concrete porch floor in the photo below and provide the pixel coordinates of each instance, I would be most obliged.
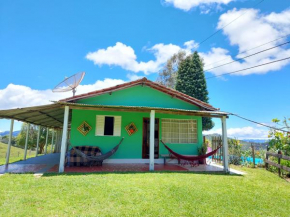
(49, 163)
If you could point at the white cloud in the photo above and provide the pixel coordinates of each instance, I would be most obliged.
(190, 45)
(17, 96)
(242, 133)
(133, 77)
(252, 30)
(187, 5)
(124, 56)
(120, 54)
(280, 20)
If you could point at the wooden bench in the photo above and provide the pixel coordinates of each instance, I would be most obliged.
(166, 156)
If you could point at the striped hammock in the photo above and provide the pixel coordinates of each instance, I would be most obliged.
(190, 158)
(99, 157)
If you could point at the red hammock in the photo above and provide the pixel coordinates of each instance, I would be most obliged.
(190, 158)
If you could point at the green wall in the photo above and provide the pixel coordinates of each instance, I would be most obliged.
(131, 147)
(139, 96)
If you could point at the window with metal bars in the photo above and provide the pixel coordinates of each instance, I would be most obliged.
(179, 131)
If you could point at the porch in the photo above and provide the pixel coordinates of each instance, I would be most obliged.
(58, 116)
(50, 164)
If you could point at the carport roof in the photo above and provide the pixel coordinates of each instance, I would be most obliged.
(52, 115)
(46, 115)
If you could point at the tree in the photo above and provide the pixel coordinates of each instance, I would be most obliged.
(235, 151)
(191, 81)
(32, 139)
(5, 139)
(280, 140)
(168, 75)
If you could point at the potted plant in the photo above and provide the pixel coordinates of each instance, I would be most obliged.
(202, 151)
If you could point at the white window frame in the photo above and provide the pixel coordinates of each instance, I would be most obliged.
(100, 125)
(171, 137)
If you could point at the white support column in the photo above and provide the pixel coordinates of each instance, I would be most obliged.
(64, 140)
(26, 141)
(151, 144)
(37, 142)
(46, 140)
(52, 137)
(9, 142)
(56, 141)
(225, 145)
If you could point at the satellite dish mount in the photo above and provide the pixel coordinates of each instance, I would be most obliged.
(70, 83)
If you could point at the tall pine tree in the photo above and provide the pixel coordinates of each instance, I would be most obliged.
(191, 81)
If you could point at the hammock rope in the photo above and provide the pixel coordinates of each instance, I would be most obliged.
(191, 158)
(100, 157)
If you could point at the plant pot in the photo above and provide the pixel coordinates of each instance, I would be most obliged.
(202, 161)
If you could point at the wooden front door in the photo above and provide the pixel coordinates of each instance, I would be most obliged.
(146, 138)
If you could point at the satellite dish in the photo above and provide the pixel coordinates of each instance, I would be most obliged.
(70, 83)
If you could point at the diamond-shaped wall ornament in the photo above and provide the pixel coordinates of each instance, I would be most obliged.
(84, 128)
(131, 128)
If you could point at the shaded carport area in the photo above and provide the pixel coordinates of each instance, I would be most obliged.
(39, 164)
(57, 116)
(49, 116)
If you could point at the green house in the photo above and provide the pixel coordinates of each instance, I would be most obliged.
(142, 112)
(124, 111)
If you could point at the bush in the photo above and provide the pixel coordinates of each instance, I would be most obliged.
(203, 149)
(235, 160)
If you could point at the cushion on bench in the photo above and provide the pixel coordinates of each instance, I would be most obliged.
(72, 159)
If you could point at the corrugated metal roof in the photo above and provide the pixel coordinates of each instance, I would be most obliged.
(46, 115)
(146, 108)
(52, 115)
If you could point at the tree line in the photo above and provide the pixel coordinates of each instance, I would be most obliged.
(32, 137)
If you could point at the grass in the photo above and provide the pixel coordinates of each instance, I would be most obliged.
(16, 154)
(258, 193)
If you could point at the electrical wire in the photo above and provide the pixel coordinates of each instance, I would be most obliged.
(250, 49)
(248, 68)
(204, 40)
(248, 56)
(265, 125)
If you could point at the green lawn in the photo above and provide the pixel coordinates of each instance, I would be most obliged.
(259, 193)
(16, 154)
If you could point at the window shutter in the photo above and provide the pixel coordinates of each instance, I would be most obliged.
(117, 126)
(100, 125)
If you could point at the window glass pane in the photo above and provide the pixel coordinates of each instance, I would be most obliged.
(109, 126)
(179, 131)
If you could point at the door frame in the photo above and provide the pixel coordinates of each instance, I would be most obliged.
(143, 134)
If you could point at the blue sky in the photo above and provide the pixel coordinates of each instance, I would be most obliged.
(41, 42)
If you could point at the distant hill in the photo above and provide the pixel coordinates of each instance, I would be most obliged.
(15, 133)
(258, 143)
(256, 140)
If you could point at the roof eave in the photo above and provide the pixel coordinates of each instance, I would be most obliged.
(144, 81)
